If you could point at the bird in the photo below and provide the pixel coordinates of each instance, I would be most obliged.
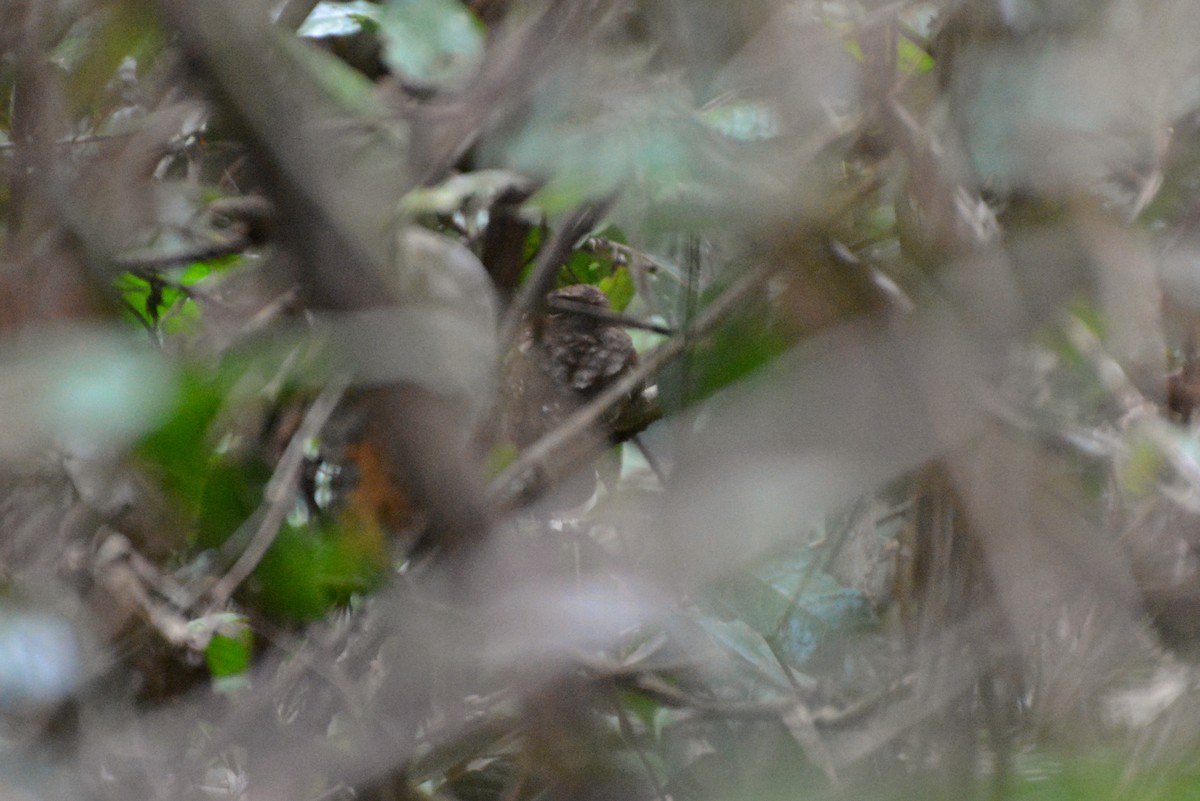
(566, 354)
(563, 359)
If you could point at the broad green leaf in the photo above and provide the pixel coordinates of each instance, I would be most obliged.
(230, 491)
(737, 349)
(180, 449)
(308, 571)
(600, 269)
(911, 59)
(229, 652)
(619, 288)
(431, 43)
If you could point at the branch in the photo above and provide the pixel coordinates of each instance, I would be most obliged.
(205, 251)
(549, 261)
(279, 495)
(608, 316)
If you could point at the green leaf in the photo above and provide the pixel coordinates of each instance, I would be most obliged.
(619, 287)
(229, 653)
(230, 492)
(737, 349)
(911, 59)
(339, 19)
(600, 270)
(310, 570)
(197, 271)
(431, 43)
(179, 449)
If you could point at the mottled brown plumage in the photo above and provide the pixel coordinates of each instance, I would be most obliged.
(562, 360)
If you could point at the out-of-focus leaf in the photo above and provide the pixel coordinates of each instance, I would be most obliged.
(40, 661)
(483, 779)
(600, 269)
(153, 302)
(584, 268)
(647, 710)
(743, 122)
(746, 643)
(180, 449)
(96, 44)
(230, 491)
(308, 571)
(197, 271)
(349, 90)
(230, 650)
(1058, 116)
(671, 168)
(340, 19)
(734, 351)
(431, 43)
(911, 59)
(80, 385)
(619, 288)
(786, 599)
(499, 458)
(450, 195)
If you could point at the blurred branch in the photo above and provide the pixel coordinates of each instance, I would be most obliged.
(134, 583)
(205, 251)
(75, 141)
(293, 13)
(518, 58)
(279, 495)
(608, 316)
(336, 178)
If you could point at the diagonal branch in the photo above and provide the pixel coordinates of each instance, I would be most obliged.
(552, 257)
(279, 494)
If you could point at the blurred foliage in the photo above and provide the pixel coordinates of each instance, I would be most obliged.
(915, 286)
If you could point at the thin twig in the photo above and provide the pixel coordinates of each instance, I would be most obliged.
(76, 141)
(628, 735)
(566, 445)
(205, 251)
(799, 721)
(293, 13)
(608, 316)
(279, 494)
(553, 256)
(652, 461)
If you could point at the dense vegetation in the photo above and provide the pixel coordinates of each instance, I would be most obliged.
(593, 399)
